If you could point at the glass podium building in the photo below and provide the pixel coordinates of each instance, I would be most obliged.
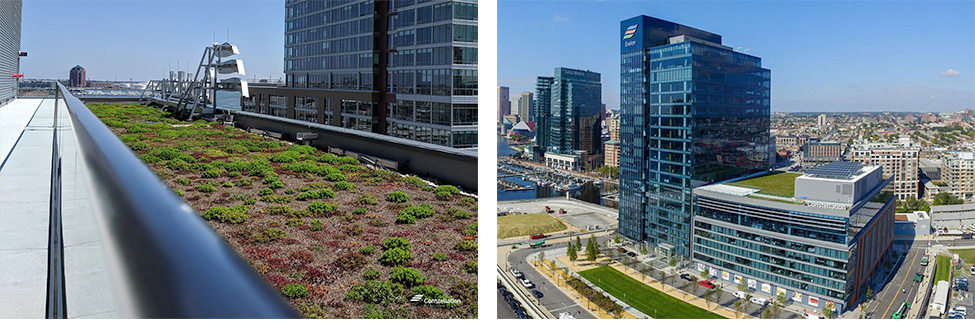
(693, 112)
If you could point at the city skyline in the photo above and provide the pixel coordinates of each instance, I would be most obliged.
(934, 76)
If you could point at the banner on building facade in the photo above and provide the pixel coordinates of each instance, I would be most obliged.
(738, 279)
(752, 283)
(813, 301)
(767, 288)
(797, 297)
(725, 275)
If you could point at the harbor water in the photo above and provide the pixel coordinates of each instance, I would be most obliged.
(589, 192)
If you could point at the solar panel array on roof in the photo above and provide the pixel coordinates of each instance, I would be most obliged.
(836, 170)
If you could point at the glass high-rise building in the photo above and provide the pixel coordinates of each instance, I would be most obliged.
(568, 109)
(692, 112)
(543, 106)
(405, 68)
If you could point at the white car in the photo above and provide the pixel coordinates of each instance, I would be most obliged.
(760, 301)
(739, 294)
(972, 270)
(517, 273)
(526, 283)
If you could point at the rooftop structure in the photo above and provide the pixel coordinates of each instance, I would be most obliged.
(10, 18)
(959, 217)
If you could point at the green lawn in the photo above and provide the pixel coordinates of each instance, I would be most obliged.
(966, 254)
(778, 184)
(528, 224)
(944, 264)
(643, 297)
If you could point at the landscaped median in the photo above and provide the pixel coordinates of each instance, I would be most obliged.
(642, 297)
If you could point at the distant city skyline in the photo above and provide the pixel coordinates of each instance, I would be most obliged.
(840, 57)
(128, 39)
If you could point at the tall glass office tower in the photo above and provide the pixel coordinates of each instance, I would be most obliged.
(405, 68)
(543, 109)
(693, 112)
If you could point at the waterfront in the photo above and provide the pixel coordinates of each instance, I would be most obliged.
(589, 191)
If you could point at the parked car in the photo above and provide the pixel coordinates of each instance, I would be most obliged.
(536, 236)
(739, 294)
(631, 254)
(962, 310)
(537, 294)
(706, 283)
(527, 284)
(686, 276)
(761, 301)
(972, 270)
(517, 273)
(918, 277)
(522, 314)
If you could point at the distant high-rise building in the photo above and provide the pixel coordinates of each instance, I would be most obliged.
(900, 161)
(958, 172)
(574, 127)
(611, 149)
(77, 77)
(504, 103)
(822, 120)
(822, 151)
(692, 112)
(10, 19)
(526, 106)
(406, 69)
(543, 111)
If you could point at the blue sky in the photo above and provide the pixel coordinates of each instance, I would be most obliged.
(823, 55)
(142, 39)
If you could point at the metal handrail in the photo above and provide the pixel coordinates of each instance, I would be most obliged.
(166, 261)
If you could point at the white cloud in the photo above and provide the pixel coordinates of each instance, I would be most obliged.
(560, 18)
(950, 72)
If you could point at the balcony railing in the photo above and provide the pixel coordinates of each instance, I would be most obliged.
(163, 260)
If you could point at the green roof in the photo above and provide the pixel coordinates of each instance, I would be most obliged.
(776, 184)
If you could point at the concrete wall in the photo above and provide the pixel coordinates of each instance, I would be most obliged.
(449, 165)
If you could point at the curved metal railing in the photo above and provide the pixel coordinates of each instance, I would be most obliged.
(165, 261)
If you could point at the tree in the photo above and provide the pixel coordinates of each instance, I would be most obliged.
(663, 278)
(705, 274)
(592, 249)
(747, 302)
(571, 252)
(827, 313)
(578, 243)
(947, 199)
(708, 295)
(643, 250)
(643, 272)
(718, 294)
(742, 287)
(541, 257)
(626, 262)
(869, 293)
(738, 305)
(673, 262)
(616, 238)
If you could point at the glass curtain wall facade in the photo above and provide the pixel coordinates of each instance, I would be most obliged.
(10, 18)
(692, 112)
(543, 111)
(419, 57)
(574, 117)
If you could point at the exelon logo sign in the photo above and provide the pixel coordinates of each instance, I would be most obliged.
(630, 32)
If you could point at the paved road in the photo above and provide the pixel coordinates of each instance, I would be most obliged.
(504, 311)
(554, 300)
(901, 286)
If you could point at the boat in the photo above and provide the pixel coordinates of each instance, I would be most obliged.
(572, 186)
